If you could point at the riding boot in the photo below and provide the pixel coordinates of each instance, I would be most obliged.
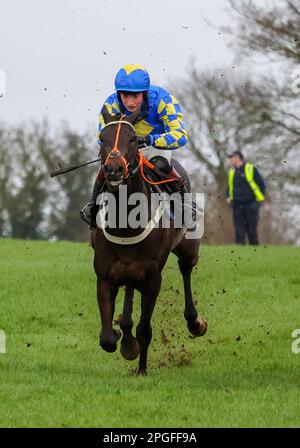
(180, 187)
(90, 210)
(163, 165)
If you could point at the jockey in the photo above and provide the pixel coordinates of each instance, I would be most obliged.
(161, 126)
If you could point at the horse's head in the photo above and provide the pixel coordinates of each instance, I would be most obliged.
(118, 146)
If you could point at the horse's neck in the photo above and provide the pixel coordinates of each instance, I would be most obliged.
(136, 184)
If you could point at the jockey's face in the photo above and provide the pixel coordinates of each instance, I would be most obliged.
(132, 100)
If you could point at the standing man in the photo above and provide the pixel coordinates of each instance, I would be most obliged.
(246, 191)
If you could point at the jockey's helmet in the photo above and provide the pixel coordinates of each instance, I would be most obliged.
(132, 78)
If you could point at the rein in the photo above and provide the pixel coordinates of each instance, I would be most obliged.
(115, 152)
(144, 161)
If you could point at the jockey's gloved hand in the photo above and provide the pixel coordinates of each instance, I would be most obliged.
(143, 142)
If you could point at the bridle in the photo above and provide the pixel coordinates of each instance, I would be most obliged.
(115, 153)
(141, 161)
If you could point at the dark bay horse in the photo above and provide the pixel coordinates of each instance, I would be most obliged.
(136, 263)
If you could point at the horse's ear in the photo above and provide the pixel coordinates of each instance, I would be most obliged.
(133, 118)
(106, 115)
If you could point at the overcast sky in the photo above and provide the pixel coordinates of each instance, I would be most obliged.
(61, 56)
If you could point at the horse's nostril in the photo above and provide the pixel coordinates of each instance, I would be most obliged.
(119, 169)
(108, 169)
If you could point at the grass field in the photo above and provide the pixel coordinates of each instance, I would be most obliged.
(243, 373)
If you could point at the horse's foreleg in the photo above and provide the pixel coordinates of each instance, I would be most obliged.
(144, 329)
(129, 345)
(106, 295)
(196, 325)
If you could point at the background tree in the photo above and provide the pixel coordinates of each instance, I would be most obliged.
(23, 191)
(6, 165)
(71, 191)
(33, 205)
(257, 114)
(271, 29)
(225, 112)
(272, 32)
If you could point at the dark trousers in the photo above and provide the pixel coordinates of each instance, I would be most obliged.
(245, 218)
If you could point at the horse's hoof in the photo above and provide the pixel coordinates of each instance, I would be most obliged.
(130, 351)
(198, 328)
(110, 345)
(142, 372)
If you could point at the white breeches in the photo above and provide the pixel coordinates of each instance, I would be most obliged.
(151, 152)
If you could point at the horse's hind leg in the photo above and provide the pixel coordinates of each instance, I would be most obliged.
(129, 344)
(187, 253)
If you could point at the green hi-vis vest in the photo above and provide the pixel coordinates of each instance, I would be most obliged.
(249, 174)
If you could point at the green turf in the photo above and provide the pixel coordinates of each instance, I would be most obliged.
(243, 373)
